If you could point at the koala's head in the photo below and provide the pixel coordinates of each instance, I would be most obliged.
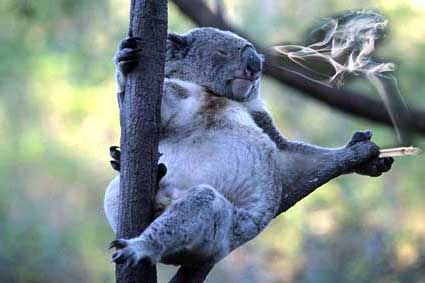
(220, 61)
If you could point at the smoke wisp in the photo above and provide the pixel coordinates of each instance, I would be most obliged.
(345, 44)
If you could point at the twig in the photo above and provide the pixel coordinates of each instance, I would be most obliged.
(399, 151)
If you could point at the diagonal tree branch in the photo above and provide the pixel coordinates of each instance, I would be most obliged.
(343, 100)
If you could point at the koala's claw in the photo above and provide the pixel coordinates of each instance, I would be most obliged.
(115, 153)
(118, 244)
(123, 254)
(127, 54)
(360, 137)
(126, 256)
(128, 253)
(162, 171)
(126, 57)
(115, 165)
(130, 42)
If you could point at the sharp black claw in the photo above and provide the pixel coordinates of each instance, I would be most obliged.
(115, 152)
(112, 244)
(368, 134)
(128, 55)
(115, 165)
(359, 137)
(162, 171)
(118, 244)
(130, 42)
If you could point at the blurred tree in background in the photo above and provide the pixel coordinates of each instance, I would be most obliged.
(58, 115)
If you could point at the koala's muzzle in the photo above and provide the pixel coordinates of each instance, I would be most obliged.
(246, 78)
(252, 64)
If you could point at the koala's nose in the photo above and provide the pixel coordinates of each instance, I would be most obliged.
(252, 63)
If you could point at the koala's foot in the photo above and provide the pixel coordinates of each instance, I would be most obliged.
(126, 58)
(134, 251)
(373, 165)
(115, 153)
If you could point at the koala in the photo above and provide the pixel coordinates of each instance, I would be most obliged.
(229, 170)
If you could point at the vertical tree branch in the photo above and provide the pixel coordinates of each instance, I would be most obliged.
(140, 117)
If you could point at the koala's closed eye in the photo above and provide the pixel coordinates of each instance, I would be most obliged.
(222, 53)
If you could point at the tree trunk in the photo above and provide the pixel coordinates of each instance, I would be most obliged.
(140, 122)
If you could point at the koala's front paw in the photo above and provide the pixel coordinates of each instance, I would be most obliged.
(367, 154)
(126, 58)
(360, 137)
(362, 147)
(115, 153)
(132, 252)
(375, 167)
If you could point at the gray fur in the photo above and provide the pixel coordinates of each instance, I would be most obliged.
(211, 58)
(205, 56)
(230, 172)
(209, 180)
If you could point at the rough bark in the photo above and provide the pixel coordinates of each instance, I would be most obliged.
(343, 100)
(140, 121)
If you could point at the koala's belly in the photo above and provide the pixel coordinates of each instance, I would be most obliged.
(241, 167)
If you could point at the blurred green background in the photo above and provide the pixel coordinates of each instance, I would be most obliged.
(58, 116)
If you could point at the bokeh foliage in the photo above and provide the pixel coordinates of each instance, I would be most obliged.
(58, 115)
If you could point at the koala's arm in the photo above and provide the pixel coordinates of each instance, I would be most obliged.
(265, 122)
(125, 60)
(311, 166)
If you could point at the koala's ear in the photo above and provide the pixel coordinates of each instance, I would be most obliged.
(177, 46)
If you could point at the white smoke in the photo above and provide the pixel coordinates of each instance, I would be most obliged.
(346, 43)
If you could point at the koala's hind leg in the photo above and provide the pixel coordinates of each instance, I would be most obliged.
(202, 227)
(197, 224)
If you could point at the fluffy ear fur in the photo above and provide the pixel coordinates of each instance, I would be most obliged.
(177, 46)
